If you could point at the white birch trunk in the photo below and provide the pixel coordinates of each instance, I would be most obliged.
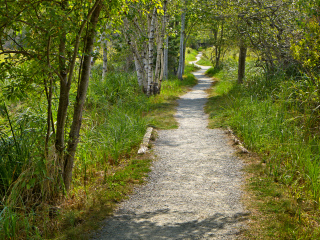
(139, 71)
(139, 57)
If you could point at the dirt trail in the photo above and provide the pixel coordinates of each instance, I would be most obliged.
(193, 191)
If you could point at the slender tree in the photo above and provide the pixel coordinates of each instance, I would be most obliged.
(54, 35)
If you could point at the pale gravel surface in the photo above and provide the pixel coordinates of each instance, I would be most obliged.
(193, 191)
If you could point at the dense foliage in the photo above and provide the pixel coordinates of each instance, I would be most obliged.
(53, 55)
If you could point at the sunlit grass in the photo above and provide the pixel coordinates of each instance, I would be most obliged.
(105, 163)
(106, 166)
(205, 58)
(269, 121)
(191, 55)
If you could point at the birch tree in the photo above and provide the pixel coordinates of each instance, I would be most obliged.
(138, 26)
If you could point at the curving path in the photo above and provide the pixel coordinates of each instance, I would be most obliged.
(193, 191)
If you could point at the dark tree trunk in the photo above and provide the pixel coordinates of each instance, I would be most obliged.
(63, 101)
(80, 99)
(242, 63)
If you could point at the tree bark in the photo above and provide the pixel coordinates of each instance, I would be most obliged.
(182, 36)
(104, 43)
(166, 59)
(242, 62)
(139, 71)
(150, 53)
(66, 75)
(139, 57)
(80, 99)
(49, 100)
(63, 101)
(166, 47)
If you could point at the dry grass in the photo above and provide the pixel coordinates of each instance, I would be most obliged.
(82, 212)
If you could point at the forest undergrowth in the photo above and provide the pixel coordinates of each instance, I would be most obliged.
(107, 166)
(277, 118)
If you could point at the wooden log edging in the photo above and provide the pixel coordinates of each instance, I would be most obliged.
(237, 141)
(144, 145)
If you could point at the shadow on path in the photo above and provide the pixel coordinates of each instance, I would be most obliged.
(140, 226)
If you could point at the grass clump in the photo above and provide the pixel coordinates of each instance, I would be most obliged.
(278, 123)
(191, 55)
(213, 71)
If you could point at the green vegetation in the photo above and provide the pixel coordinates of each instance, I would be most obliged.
(116, 115)
(68, 153)
(206, 57)
(274, 119)
(191, 55)
(164, 105)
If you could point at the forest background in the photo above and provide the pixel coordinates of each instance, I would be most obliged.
(81, 81)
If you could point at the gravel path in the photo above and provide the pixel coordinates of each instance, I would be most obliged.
(193, 191)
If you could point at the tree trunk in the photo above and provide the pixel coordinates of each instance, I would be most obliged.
(104, 43)
(139, 60)
(166, 47)
(64, 96)
(139, 71)
(63, 102)
(159, 66)
(50, 122)
(182, 36)
(184, 58)
(166, 59)
(220, 46)
(150, 53)
(242, 62)
(66, 77)
(80, 99)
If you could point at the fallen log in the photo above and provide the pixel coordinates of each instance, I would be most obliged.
(237, 141)
(145, 142)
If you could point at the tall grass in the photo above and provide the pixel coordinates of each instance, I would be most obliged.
(191, 55)
(115, 118)
(22, 171)
(113, 125)
(276, 117)
(269, 116)
(20, 137)
(113, 122)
